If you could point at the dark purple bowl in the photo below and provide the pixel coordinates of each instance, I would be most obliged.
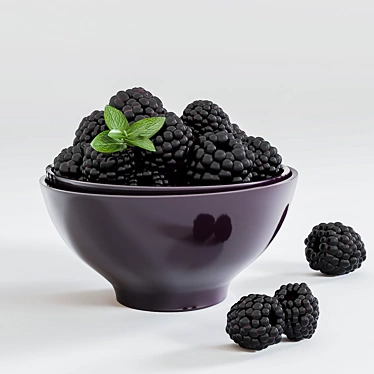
(170, 252)
(62, 183)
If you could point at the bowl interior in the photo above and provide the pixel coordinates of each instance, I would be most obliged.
(55, 181)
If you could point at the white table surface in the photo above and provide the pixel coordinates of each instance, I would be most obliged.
(58, 315)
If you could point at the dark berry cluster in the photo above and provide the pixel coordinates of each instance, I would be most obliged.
(172, 144)
(267, 159)
(334, 249)
(220, 158)
(68, 162)
(200, 148)
(258, 321)
(255, 322)
(204, 116)
(301, 310)
(137, 103)
(113, 168)
(89, 127)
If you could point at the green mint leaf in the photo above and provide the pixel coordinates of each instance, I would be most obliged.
(141, 143)
(146, 127)
(117, 135)
(115, 119)
(105, 144)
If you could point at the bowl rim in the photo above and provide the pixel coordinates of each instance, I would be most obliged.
(294, 174)
(97, 188)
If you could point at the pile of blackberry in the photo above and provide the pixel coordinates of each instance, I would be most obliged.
(258, 321)
(202, 147)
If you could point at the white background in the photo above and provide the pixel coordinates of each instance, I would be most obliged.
(299, 73)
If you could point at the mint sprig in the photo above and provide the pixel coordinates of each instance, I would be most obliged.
(121, 135)
(115, 119)
(105, 144)
(146, 127)
(142, 143)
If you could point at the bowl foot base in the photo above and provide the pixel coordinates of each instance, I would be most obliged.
(171, 302)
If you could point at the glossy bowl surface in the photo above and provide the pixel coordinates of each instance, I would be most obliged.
(99, 188)
(170, 252)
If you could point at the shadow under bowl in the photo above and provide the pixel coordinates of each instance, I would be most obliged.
(170, 252)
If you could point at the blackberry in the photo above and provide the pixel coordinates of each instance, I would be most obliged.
(137, 103)
(173, 143)
(204, 116)
(301, 310)
(203, 227)
(334, 249)
(114, 168)
(267, 160)
(256, 322)
(67, 164)
(219, 158)
(89, 127)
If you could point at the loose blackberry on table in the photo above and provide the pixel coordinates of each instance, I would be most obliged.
(334, 249)
(301, 310)
(205, 116)
(256, 322)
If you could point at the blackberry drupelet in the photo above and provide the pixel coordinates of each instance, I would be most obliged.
(219, 158)
(238, 130)
(113, 168)
(137, 103)
(204, 116)
(67, 164)
(268, 162)
(301, 310)
(239, 133)
(173, 143)
(334, 249)
(256, 322)
(89, 127)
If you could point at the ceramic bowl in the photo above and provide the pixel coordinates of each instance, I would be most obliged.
(170, 252)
